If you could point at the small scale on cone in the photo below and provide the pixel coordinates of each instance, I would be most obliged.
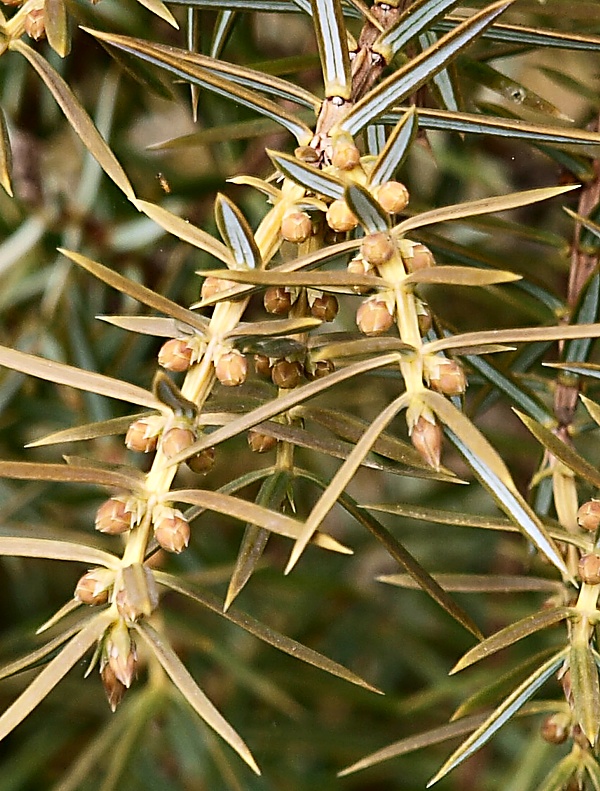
(588, 516)
(260, 443)
(426, 438)
(446, 376)
(278, 300)
(113, 688)
(556, 728)
(346, 155)
(325, 308)
(35, 24)
(175, 440)
(296, 227)
(232, 369)
(320, 368)
(392, 197)
(175, 355)
(141, 437)
(113, 517)
(377, 248)
(171, 530)
(589, 568)
(262, 365)
(203, 462)
(416, 256)
(340, 218)
(286, 374)
(93, 587)
(373, 317)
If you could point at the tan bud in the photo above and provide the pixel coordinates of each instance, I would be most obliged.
(373, 317)
(286, 374)
(426, 438)
(278, 300)
(377, 248)
(35, 26)
(175, 355)
(114, 517)
(358, 266)
(120, 653)
(325, 308)
(202, 462)
(175, 440)
(296, 227)
(340, 218)
(416, 256)
(142, 436)
(589, 568)
(555, 729)
(345, 156)
(320, 368)
(445, 376)
(588, 516)
(214, 285)
(113, 688)
(171, 529)
(262, 365)
(392, 197)
(94, 586)
(260, 443)
(232, 369)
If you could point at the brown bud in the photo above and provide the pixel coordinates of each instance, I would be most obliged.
(286, 374)
(142, 436)
(346, 155)
(377, 248)
(94, 586)
(325, 308)
(416, 256)
(296, 227)
(171, 529)
(588, 516)
(555, 729)
(214, 285)
(262, 365)
(426, 437)
(35, 25)
(589, 568)
(582, 740)
(373, 317)
(358, 266)
(114, 517)
(446, 376)
(278, 300)
(202, 462)
(392, 197)
(340, 218)
(113, 688)
(13, 2)
(175, 355)
(232, 369)
(120, 653)
(175, 440)
(320, 368)
(260, 443)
